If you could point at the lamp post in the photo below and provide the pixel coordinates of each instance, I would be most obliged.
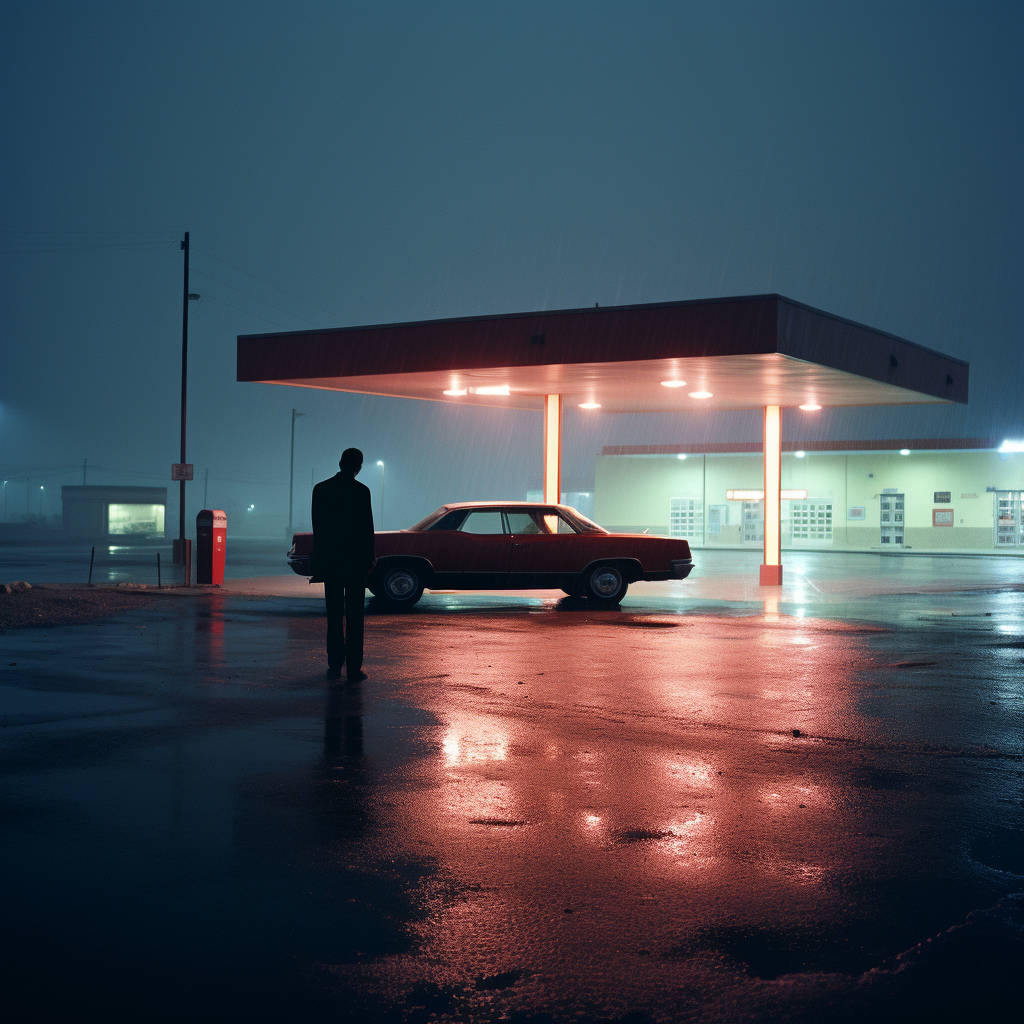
(5, 501)
(381, 464)
(291, 471)
(41, 489)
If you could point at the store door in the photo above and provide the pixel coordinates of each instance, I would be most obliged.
(1009, 519)
(892, 518)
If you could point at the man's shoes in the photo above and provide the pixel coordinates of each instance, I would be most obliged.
(334, 673)
(356, 677)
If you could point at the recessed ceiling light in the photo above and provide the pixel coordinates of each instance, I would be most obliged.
(590, 405)
(800, 455)
(673, 383)
(700, 394)
(490, 389)
(904, 451)
(680, 456)
(810, 407)
(455, 392)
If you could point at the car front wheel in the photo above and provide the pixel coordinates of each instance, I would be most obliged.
(605, 584)
(400, 587)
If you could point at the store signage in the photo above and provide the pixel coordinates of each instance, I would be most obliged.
(941, 498)
(942, 517)
(857, 513)
(181, 470)
(759, 495)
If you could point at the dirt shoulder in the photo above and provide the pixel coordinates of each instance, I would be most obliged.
(63, 604)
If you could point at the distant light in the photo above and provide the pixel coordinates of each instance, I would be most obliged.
(904, 451)
(455, 392)
(810, 407)
(1008, 447)
(673, 383)
(379, 463)
(490, 389)
(800, 455)
(590, 405)
(700, 394)
(681, 456)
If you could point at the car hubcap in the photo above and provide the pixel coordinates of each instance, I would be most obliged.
(401, 584)
(606, 582)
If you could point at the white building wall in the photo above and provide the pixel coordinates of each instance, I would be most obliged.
(633, 493)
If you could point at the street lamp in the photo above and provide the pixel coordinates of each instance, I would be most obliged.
(291, 471)
(381, 464)
(41, 501)
(5, 501)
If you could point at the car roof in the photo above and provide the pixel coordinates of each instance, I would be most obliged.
(503, 504)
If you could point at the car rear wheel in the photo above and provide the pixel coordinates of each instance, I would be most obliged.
(400, 587)
(605, 585)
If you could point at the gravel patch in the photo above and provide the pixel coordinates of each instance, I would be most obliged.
(59, 604)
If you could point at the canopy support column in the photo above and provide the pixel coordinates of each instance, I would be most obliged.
(552, 449)
(771, 570)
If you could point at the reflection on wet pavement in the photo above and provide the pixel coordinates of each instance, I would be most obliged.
(527, 810)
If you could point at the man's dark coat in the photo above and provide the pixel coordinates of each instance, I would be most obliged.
(342, 529)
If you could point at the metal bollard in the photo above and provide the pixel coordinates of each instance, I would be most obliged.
(91, 557)
(158, 570)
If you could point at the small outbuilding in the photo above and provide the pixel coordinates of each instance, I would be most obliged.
(113, 512)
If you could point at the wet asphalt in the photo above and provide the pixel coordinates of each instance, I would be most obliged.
(531, 810)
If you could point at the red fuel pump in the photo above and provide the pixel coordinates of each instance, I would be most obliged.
(211, 546)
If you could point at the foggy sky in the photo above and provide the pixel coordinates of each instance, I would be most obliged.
(342, 164)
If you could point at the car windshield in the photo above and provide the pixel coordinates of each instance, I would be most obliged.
(424, 523)
(585, 525)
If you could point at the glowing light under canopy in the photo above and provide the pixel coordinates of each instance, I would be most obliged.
(1008, 447)
(904, 451)
(487, 389)
(673, 383)
(701, 394)
(590, 405)
(810, 407)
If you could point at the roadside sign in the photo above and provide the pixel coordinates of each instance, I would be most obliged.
(181, 470)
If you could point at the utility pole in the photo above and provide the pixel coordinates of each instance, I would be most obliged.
(182, 554)
(85, 466)
(291, 471)
(184, 395)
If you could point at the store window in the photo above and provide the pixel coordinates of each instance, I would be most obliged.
(686, 519)
(811, 521)
(1009, 519)
(136, 520)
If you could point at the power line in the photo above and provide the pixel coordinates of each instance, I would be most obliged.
(273, 323)
(82, 248)
(267, 283)
(280, 309)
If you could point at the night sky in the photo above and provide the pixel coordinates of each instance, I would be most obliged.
(341, 164)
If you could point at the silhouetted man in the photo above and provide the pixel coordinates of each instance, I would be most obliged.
(342, 558)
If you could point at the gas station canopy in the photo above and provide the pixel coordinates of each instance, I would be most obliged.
(743, 353)
(757, 352)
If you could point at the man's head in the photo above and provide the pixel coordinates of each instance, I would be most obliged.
(351, 460)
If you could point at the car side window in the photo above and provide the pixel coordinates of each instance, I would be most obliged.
(525, 523)
(482, 522)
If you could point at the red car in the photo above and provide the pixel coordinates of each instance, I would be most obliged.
(502, 545)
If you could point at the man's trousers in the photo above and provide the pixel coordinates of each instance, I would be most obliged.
(344, 598)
